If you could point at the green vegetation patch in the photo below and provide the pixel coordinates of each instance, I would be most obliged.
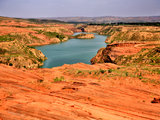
(58, 79)
(54, 35)
(33, 37)
(145, 56)
(110, 30)
(51, 34)
(6, 38)
(39, 31)
(100, 74)
(3, 51)
(139, 72)
(17, 53)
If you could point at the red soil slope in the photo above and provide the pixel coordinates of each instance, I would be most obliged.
(32, 95)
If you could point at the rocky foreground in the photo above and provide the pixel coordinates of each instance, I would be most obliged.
(73, 92)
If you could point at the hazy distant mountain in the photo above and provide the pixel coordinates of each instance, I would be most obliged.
(108, 19)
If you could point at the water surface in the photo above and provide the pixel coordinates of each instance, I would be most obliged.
(72, 51)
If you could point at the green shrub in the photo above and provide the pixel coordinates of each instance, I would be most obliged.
(2, 51)
(140, 76)
(79, 71)
(126, 74)
(102, 71)
(144, 81)
(90, 72)
(57, 79)
(110, 71)
(10, 64)
(31, 47)
(31, 53)
(40, 60)
(156, 71)
(96, 72)
(39, 31)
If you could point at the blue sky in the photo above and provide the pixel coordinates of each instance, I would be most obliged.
(67, 8)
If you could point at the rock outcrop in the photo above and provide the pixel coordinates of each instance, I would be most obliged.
(156, 100)
(129, 45)
(102, 56)
(19, 55)
(93, 28)
(112, 51)
(85, 36)
(131, 34)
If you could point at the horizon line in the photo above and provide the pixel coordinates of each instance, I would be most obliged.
(82, 16)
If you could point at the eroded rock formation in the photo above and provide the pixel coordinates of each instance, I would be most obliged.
(130, 45)
(85, 36)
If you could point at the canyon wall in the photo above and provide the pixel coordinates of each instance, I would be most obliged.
(130, 44)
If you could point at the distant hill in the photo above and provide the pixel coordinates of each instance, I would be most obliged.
(44, 20)
(33, 20)
(108, 19)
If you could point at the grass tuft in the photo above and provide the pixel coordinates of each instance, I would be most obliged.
(59, 79)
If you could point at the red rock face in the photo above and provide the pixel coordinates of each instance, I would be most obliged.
(102, 56)
(112, 51)
(32, 94)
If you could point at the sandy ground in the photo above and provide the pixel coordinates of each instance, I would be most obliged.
(32, 95)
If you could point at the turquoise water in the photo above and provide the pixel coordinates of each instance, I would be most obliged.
(72, 51)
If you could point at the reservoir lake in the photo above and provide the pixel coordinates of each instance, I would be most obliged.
(72, 51)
